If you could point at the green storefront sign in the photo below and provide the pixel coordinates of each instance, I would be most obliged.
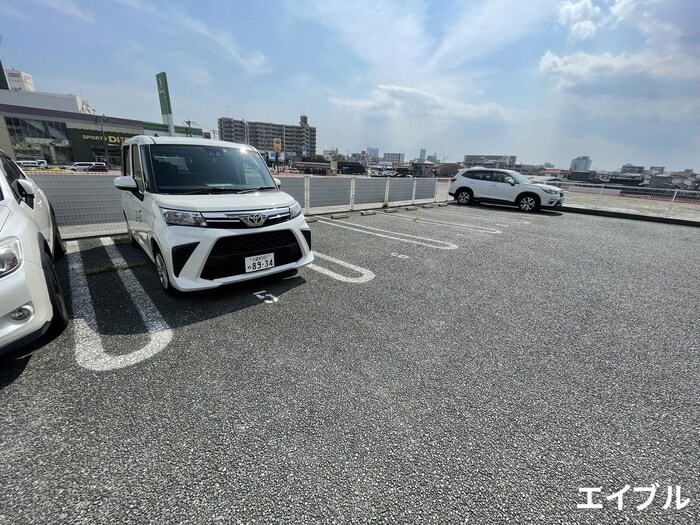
(89, 144)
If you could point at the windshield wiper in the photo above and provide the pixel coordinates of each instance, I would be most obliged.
(261, 188)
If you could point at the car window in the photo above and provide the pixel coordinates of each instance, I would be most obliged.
(184, 168)
(480, 175)
(502, 177)
(126, 170)
(137, 173)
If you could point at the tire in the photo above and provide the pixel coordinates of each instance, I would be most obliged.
(528, 203)
(59, 247)
(163, 275)
(464, 197)
(59, 319)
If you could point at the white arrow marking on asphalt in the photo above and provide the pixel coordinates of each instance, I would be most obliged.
(89, 352)
(365, 274)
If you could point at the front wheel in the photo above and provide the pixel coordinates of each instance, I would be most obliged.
(59, 247)
(528, 203)
(163, 276)
(59, 320)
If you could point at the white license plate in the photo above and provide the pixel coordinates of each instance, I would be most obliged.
(259, 262)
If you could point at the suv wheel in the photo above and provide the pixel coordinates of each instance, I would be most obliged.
(528, 203)
(59, 247)
(464, 197)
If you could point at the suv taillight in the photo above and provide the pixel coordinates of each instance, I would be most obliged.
(453, 179)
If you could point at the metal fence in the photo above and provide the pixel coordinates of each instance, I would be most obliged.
(89, 204)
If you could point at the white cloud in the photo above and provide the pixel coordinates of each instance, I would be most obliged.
(8, 9)
(199, 76)
(572, 12)
(578, 17)
(590, 67)
(68, 7)
(397, 101)
(582, 30)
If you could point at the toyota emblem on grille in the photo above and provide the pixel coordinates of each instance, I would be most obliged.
(254, 219)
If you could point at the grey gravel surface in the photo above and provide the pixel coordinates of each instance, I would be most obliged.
(483, 384)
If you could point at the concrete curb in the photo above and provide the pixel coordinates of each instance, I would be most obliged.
(368, 212)
(390, 210)
(427, 205)
(340, 216)
(442, 204)
(310, 219)
(410, 208)
(632, 216)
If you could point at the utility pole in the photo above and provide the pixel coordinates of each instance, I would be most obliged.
(104, 139)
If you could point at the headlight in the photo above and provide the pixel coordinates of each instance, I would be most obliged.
(551, 192)
(10, 255)
(294, 210)
(184, 218)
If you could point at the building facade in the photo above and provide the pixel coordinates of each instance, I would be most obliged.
(19, 80)
(580, 164)
(506, 162)
(296, 140)
(41, 126)
(394, 158)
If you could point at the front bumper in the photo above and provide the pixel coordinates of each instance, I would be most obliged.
(26, 286)
(553, 201)
(196, 262)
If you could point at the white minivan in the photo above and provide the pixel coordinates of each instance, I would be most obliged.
(208, 212)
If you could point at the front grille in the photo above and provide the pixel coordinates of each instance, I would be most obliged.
(227, 257)
(238, 225)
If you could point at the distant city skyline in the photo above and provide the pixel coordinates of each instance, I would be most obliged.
(615, 79)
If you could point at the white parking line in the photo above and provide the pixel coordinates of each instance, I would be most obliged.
(89, 352)
(365, 274)
(488, 218)
(478, 229)
(439, 245)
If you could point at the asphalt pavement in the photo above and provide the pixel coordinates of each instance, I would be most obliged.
(443, 365)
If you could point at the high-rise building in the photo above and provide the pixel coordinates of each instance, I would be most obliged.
(421, 157)
(19, 80)
(581, 163)
(394, 158)
(297, 140)
(490, 161)
(373, 153)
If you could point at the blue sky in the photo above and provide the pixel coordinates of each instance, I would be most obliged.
(546, 80)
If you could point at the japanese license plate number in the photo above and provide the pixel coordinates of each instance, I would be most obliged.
(259, 262)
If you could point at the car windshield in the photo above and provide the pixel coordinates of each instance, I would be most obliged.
(208, 169)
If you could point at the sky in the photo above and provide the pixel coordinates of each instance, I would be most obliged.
(546, 80)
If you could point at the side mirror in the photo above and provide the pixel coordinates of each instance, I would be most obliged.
(512, 183)
(125, 183)
(278, 182)
(26, 191)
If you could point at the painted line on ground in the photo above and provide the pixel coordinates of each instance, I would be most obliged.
(89, 351)
(477, 229)
(498, 218)
(365, 274)
(439, 245)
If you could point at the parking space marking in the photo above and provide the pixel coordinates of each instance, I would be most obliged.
(267, 298)
(365, 274)
(479, 229)
(89, 352)
(439, 245)
(498, 218)
(399, 255)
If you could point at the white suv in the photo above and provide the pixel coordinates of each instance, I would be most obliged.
(503, 187)
(31, 300)
(208, 212)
